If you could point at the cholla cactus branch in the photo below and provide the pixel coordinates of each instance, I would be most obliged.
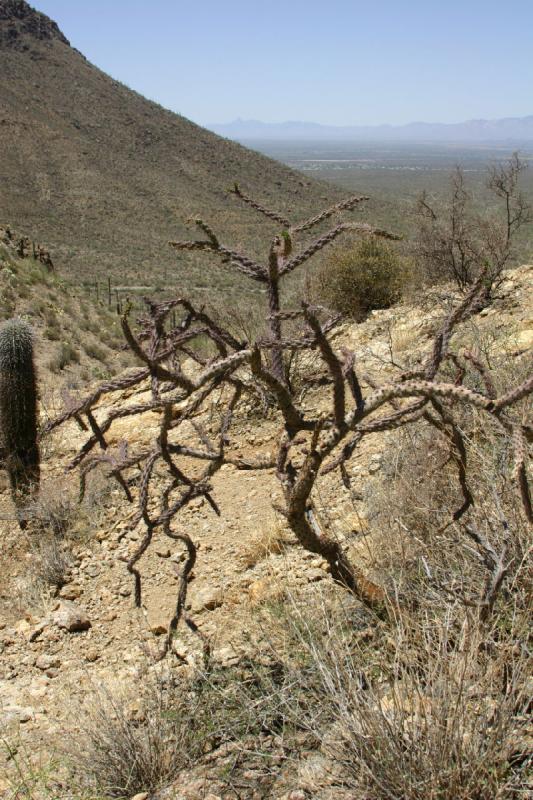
(519, 469)
(119, 384)
(514, 395)
(294, 421)
(442, 340)
(99, 437)
(447, 426)
(344, 205)
(258, 207)
(183, 586)
(209, 232)
(246, 265)
(484, 373)
(155, 369)
(352, 380)
(334, 366)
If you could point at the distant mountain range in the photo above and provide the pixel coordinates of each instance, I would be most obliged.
(519, 129)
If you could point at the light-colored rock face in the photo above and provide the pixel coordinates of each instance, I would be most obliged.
(53, 653)
(70, 617)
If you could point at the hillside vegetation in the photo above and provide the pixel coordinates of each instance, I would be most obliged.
(78, 339)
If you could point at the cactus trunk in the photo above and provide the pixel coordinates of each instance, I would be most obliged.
(18, 412)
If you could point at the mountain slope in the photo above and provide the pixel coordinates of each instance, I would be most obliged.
(105, 176)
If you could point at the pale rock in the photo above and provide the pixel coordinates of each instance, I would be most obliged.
(19, 713)
(92, 655)
(23, 626)
(70, 591)
(226, 656)
(206, 600)
(196, 503)
(263, 590)
(525, 338)
(71, 617)
(46, 662)
(315, 574)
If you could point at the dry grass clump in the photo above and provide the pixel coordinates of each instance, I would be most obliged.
(47, 571)
(418, 540)
(55, 511)
(369, 275)
(434, 709)
(57, 525)
(140, 743)
(53, 562)
(434, 703)
(65, 355)
(271, 540)
(125, 751)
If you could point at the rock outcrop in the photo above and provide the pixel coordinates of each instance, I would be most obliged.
(19, 20)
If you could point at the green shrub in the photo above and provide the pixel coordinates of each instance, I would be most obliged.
(359, 279)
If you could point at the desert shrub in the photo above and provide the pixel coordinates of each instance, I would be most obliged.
(123, 753)
(441, 554)
(55, 511)
(47, 570)
(272, 539)
(66, 354)
(354, 281)
(52, 332)
(94, 350)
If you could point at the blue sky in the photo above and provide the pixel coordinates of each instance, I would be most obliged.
(335, 61)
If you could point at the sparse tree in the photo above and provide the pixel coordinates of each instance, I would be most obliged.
(455, 243)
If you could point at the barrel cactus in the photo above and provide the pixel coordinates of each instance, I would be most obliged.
(18, 411)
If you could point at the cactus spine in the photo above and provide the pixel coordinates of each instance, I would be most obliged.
(18, 411)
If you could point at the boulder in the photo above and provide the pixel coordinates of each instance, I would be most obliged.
(71, 617)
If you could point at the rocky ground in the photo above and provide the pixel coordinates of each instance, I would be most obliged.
(55, 651)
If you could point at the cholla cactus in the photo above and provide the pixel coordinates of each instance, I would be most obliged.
(18, 410)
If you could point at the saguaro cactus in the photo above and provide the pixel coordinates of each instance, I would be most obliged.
(18, 411)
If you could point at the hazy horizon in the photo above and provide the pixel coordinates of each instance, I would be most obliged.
(347, 65)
